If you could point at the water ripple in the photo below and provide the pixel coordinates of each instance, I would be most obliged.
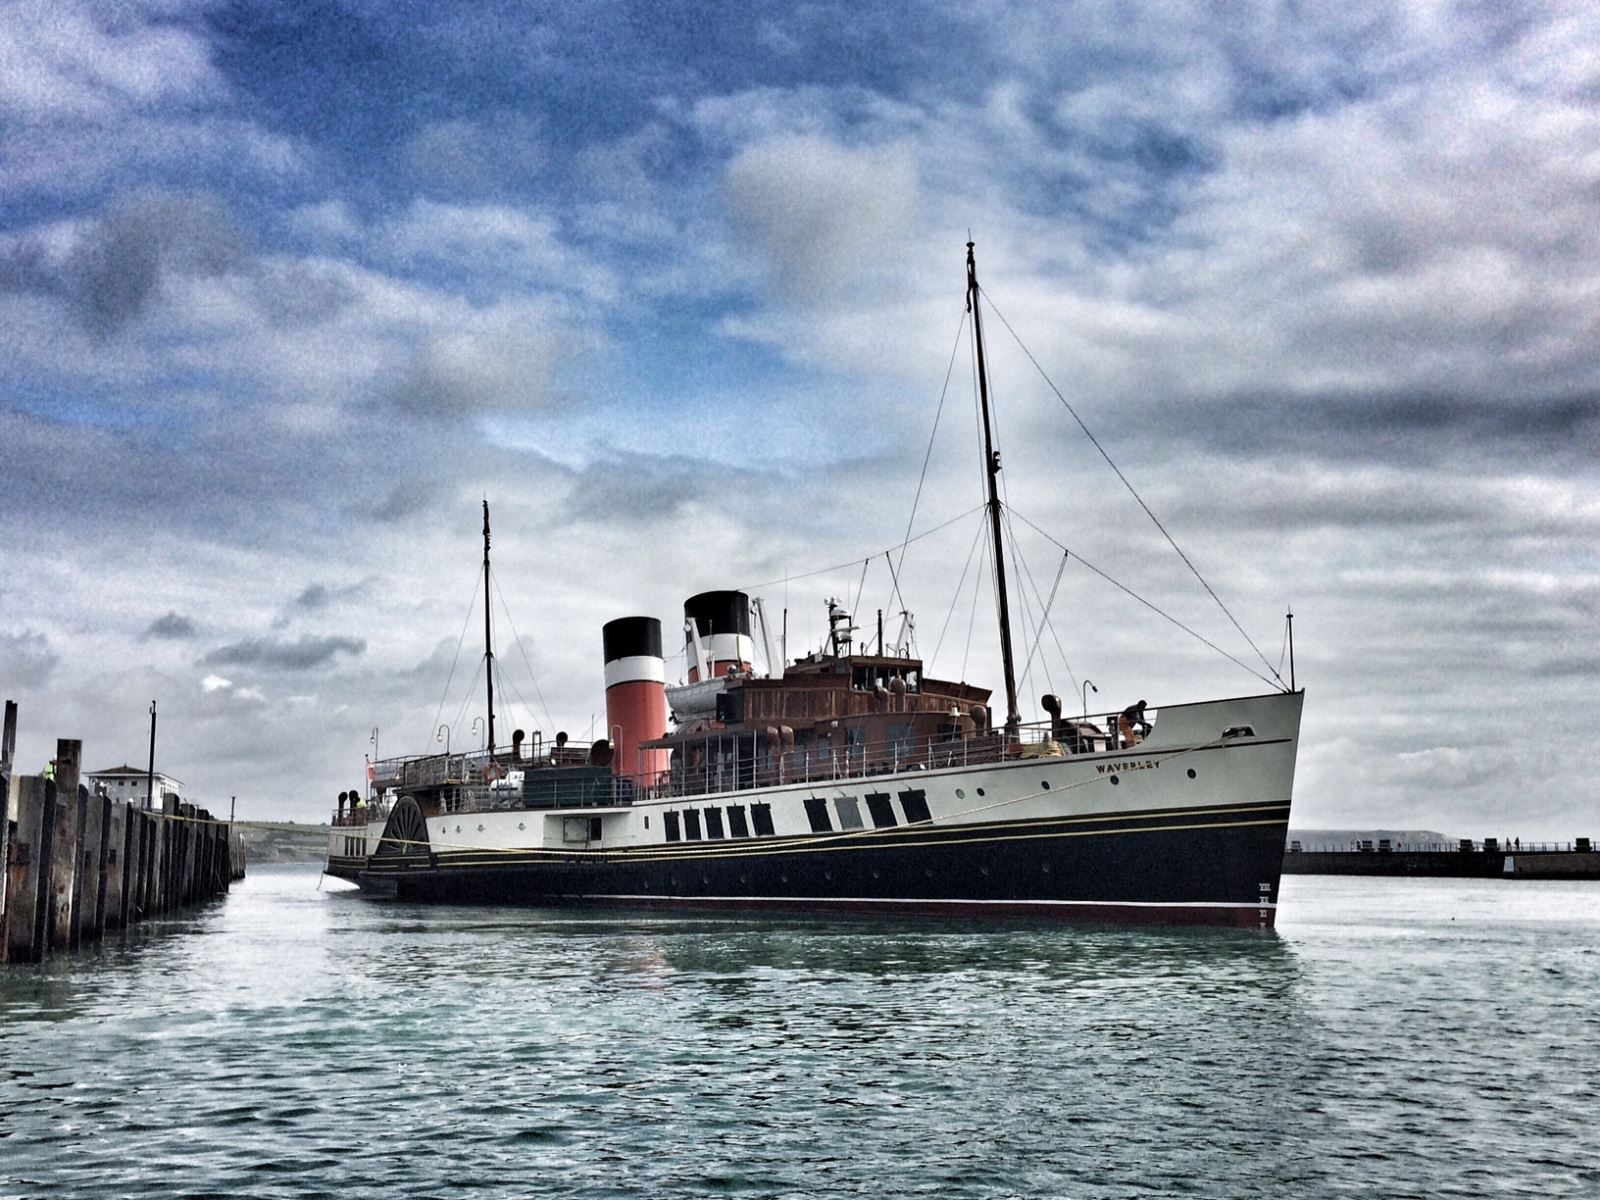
(1396, 1038)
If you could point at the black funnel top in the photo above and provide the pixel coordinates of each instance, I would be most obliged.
(719, 612)
(631, 637)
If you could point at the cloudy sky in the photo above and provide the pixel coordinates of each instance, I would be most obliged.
(286, 289)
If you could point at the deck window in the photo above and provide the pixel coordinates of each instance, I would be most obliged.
(761, 818)
(737, 827)
(849, 809)
(817, 810)
(915, 802)
(691, 824)
(882, 811)
(714, 823)
(669, 822)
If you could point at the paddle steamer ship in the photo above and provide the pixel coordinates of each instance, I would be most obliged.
(846, 780)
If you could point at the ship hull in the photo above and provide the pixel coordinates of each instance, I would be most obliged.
(1189, 833)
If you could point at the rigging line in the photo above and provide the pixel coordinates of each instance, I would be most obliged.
(461, 641)
(894, 587)
(755, 587)
(927, 457)
(1044, 614)
(1131, 490)
(467, 698)
(955, 598)
(1046, 623)
(1164, 615)
(977, 584)
(855, 605)
(1026, 572)
(506, 608)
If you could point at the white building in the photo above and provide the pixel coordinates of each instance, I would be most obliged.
(133, 784)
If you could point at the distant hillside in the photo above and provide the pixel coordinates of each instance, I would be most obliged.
(285, 843)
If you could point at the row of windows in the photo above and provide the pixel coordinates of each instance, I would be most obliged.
(696, 824)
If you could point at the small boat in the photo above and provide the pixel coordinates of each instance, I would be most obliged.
(848, 780)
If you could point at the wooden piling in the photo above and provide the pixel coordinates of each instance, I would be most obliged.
(118, 822)
(86, 901)
(73, 865)
(105, 855)
(8, 744)
(67, 842)
(28, 872)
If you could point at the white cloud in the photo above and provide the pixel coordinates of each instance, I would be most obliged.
(819, 214)
(69, 59)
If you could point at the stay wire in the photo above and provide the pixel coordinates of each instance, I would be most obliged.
(461, 641)
(955, 598)
(522, 650)
(927, 456)
(754, 587)
(1132, 491)
(1078, 558)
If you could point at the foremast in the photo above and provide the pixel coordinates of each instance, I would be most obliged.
(992, 474)
(488, 643)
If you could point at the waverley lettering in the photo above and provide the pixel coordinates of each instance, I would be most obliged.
(1149, 764)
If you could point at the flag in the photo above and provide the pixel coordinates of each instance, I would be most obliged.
(372, 773)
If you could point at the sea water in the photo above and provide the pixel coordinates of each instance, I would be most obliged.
(1392, 1038)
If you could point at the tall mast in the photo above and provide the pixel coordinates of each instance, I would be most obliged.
(992, 469)
(488, 645)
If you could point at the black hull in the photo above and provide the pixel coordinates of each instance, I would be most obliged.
(1200, 867)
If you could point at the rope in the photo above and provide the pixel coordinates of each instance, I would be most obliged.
(506, 608)
(1132, 491)
(461, 641)
(753, 587)
(1078, 558)
(927, 456)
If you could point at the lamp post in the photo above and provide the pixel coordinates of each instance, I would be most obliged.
(477, 728)
(1087, 687)
(150, 778)
(443, 735)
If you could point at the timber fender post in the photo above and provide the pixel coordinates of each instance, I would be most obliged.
(75, 863)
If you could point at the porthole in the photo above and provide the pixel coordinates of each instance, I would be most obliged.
(520, 825)
(783, 879)
(983, 871)
(980, 791)
(1045, 784)
(1191, 772)
(827, 875)
(744, 879)
(480, 828)
(1045, 868)
(705, 881)
(928, 872)
(961, 794)
(1115, 781)
(875, 875)
(458, 829)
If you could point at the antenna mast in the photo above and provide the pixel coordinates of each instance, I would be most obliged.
(488, 645)
(992, 470)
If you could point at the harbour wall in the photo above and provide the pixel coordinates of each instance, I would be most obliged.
(1481, 861)
(78, 864)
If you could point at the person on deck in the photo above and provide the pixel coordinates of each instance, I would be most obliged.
(1132, 725)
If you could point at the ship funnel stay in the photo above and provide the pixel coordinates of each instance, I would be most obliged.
(636, 695)
(720, 622)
